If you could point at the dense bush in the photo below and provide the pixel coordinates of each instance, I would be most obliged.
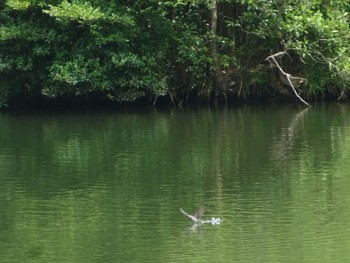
(125, 50)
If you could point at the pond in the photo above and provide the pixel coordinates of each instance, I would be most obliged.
(108, 186)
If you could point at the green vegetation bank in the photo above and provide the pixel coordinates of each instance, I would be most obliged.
(178, 51)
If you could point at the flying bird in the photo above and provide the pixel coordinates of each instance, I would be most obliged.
(196, 218)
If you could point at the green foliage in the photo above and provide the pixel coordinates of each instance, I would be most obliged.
(315, 34)
(82, 12)
(128, 50)
(18, 4)
(77, 48)
(320, 34)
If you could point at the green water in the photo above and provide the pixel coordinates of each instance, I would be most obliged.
(107, 186)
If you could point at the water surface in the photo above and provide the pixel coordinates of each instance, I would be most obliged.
(107, 186)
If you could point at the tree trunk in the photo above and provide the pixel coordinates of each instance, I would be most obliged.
(219, 78)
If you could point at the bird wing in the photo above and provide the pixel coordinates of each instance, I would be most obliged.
(193, 218)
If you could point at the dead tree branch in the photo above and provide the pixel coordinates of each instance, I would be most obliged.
(288, 78)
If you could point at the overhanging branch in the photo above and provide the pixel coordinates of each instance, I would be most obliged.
(288, 77)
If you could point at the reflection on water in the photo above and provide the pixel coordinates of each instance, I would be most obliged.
(107, 187)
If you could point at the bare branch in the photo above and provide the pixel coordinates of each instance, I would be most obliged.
(289, 77)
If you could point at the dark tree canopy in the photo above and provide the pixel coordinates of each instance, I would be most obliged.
(126, 50)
